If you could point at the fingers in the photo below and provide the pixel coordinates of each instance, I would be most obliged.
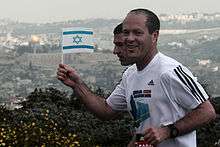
(62, 65)
(65, 72)
(62, 68)
(152, 136)
(62, 72)
(66, 69)
(61, 76)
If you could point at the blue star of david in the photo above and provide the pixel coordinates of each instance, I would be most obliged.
(77, 39)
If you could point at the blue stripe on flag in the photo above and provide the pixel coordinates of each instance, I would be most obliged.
(78, 46)
(78, 32)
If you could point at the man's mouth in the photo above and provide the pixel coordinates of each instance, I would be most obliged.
(131, 46)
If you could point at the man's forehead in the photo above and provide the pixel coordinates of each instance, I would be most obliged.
(133, 18)
(133, 15)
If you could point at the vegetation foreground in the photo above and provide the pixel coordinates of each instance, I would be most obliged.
(50, 117)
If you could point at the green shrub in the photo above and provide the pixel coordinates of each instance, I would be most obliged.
(50, 118)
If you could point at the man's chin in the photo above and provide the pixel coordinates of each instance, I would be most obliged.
(125, 63)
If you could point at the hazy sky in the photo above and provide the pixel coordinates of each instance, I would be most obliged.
(62, 10)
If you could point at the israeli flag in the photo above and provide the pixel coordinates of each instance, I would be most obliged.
(77, 40)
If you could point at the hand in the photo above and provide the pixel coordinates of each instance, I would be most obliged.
(132, 144)
(154, 136)
(68, 75)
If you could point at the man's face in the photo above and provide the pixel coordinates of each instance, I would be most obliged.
(136, 38)
(119, 49)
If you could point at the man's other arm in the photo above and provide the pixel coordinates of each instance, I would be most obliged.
(201, 115)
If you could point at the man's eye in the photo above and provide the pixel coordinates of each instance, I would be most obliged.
(125, 32)
(138, 33)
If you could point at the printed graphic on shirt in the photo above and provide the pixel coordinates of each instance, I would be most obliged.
(190, 83)
(151, 82)
(139, 106)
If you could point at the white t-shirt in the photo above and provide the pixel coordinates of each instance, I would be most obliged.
(160, 94)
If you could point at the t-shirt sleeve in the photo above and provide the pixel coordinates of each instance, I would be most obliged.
(117, 99)
(183, 88)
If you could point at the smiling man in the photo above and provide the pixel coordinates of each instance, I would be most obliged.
(161, 94)
(164, 98)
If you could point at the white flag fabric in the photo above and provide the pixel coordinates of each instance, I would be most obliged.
(77, 40)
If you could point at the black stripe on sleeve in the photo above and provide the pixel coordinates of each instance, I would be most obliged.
(187, 83)
(180, 76)
(193, 90)
(195, 85)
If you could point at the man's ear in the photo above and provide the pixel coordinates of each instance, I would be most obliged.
(155, 36)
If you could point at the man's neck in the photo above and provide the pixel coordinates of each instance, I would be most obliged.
(147, 59)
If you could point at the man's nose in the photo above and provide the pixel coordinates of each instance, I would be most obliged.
(130, 37)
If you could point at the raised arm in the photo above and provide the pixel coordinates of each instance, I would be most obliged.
(94, 103)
